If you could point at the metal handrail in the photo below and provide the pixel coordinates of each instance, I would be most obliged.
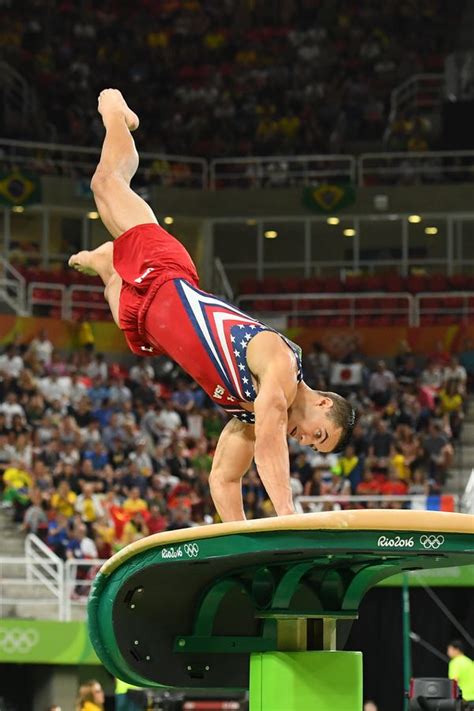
(467, 499)
(71, 581)
(17, 281)
(348, 168)
(64, 149)
(72, 300)
(46, 567)
(33, 300)
(352, 310)
(423, 159)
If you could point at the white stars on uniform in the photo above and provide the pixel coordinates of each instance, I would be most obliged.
(246, 332)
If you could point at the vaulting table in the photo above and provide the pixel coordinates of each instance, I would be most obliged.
(255, 604)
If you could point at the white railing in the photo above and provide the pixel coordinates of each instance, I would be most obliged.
(45, 567)
(421, 167)
(21, 597)
(310, 504)
(12, 287)
(406, 308)
(419, 92)
(221, 284)
(74, 162)
(85, 297)
(78, 578)
(342, 305)
(387, 168)
(281, 171)
(44, 293)
(467, 500)
(457, 304)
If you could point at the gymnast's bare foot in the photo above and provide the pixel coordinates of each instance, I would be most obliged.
(97, 262)
(110, 102)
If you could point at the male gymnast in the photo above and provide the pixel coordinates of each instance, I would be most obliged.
(249, 369)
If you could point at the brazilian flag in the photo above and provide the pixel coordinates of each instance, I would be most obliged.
(17, 188)
(328, 198)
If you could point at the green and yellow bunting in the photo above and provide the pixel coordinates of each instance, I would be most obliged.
(328, 198)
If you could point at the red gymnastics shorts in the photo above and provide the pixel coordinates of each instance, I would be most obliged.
(146, 256)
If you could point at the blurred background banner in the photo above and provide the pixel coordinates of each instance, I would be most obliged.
(45, 642)
(17, 188)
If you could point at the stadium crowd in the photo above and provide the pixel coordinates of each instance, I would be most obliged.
(94, 455)
(223, 77)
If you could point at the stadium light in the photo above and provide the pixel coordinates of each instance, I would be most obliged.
(349, 232)
(18, 208)
(431, 230)
(93, 215)
(271, 234)
(333, 220)
(168, 220)
(414, 219)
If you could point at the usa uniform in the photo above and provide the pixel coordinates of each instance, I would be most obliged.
(162, 310)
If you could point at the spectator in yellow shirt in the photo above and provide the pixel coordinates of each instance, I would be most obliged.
(461, 669)
(134, 529)
(134, 503)
(64, 499)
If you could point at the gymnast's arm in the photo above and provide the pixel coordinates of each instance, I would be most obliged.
(232, 459)
(274, 365)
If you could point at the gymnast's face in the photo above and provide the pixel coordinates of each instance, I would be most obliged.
(312, 426)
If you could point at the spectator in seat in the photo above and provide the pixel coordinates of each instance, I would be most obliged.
(134, 529)
(11, 407)
(63, 500)
(180, 517)
(457, 372)
(11, 364)
(368, 484)
(350, 466)
(88, 505)
(381, 443)
(394, 486)
(382, 384)
(156, 521)
(317, 366)
(17, 483)
(451, 403)
(35, 519)
(183, 401)
(41, 348)
(419, 485)
(134, 502)
(432, 376)
(58, 535)
(80, 546)
(438, 451)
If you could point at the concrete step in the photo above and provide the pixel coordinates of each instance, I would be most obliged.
(468, 430)
(29, 611)
(12, 546)
(14, 589)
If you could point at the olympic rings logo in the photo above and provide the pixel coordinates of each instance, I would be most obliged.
(191, 549)
(18, 641)
(432, 542)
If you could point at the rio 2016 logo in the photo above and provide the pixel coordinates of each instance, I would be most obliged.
(395, 542)
(191, 550)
